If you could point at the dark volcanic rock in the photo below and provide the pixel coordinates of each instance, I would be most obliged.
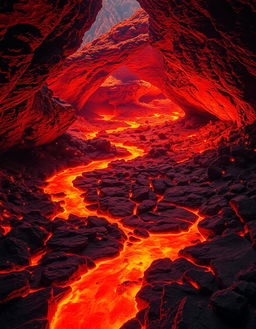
(226, 247)
(251, 226)
(68, 240)
(172, 295)
(187, 196)
(38, 305)
(164, 270)
(13, 253)
(145, 206)
(248, 274)
(193, 313)
(132, 324)
(159, 270)
(84, 183)
(229, 304)
(178, 213)
(64, 270)
(35, 324)
(244, 207)
(33, 236)
(246, 289)
(211, 226)
(95, 238)
(214, 173)
(106, 244)
(114, 192)
(213, 205)
(141, 193)
(13, 285)
(141, 233)
(227, 255)
(159, 185)
(117, 206)
(204, 281)
(171, 219)
(160, 277)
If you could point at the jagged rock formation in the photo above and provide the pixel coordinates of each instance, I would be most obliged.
(191, 66)
(35, 39)
(202, 59)
(209, 54)
(87, 69)
(112, 12)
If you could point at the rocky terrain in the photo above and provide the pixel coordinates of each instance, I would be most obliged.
(201, 64)
(133, 205)
(198, 195)
(112, 12)
(87, 69)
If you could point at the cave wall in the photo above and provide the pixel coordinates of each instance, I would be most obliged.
(36, 36)
(86, 70)
(209, 53)
(205, 50)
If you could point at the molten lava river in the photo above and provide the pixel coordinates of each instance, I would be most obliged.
(105, 297)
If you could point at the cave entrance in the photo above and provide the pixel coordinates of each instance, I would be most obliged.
(130, 91)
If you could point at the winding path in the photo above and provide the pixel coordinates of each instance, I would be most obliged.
(104, 298)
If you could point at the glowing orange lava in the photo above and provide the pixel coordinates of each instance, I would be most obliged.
(104, 298)
(88, 130)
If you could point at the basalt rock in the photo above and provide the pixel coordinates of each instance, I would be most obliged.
(174, 220)
(20, 312)
(63, 271)
(227, 255)
(14, 253)
(229, 304)
(15, 284)
(244, 207)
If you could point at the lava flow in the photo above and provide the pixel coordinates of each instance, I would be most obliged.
(105, 297)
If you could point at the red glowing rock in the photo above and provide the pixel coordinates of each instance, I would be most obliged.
(87, 69)
(208, 49)
(36, 37)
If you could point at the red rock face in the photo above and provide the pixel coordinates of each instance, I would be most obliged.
(36, 37)
(125, 44)
(87, 69)
(208, 49)
(41, 121)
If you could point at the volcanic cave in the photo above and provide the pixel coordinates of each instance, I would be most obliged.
(128, 164)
